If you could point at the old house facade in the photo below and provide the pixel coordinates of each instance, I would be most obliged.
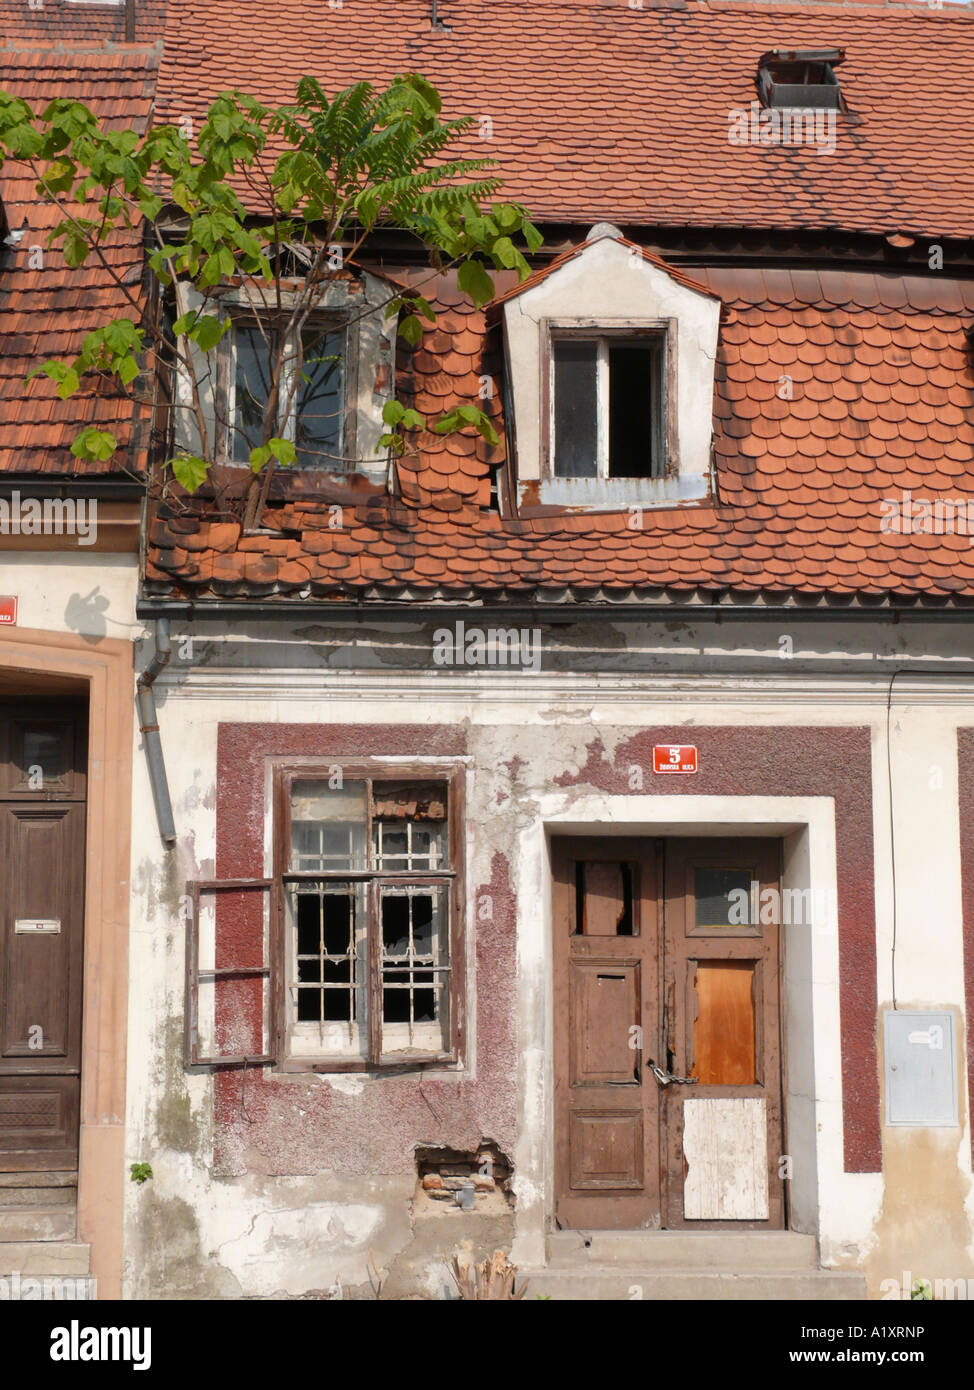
(571, 844)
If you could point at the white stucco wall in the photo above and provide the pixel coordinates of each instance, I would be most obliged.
(547, 721)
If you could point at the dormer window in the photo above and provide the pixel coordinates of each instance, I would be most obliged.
(801, 77)
(610, 367)
(340, 362)
(311, 398)
(607, 404)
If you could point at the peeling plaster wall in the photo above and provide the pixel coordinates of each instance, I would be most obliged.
(289, 1184)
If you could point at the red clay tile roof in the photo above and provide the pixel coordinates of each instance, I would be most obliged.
(881, 386)
(599, 112)
(46, 308)
(60, 21)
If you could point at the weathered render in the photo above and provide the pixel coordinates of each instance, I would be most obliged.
(570, 690)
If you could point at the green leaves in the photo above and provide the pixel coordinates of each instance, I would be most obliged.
(65, 376)
(344, 163)
(94, 444)
(205, 330)
(189, 471)
(280, 449)
(411, 329)
(464, 415)
(473, 279)
(401, 418)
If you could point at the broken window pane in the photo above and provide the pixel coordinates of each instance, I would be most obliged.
(319, 400)
(327, 969)
(328, 826)
(604, 898)
(415, 969)
(253, 355)
(576, 413)
(410, 829)
(634, 405)
(313, 418)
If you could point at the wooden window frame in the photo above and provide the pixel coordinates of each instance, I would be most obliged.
(452, 776)
(664, 426)
(194, 1060)
(337, 320)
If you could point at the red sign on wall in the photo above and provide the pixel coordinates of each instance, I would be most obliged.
(8, 611)
(674, 757)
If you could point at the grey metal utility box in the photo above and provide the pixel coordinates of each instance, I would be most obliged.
(921, 1069)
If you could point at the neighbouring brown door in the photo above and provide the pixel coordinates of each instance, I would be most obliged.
(667, 1034)
(43, 749)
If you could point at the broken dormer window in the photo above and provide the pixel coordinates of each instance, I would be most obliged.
(800, 77)
(310, 394)
(607, 404)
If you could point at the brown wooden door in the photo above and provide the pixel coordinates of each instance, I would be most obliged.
(661, 960)
(42, 840)
(606, 1008)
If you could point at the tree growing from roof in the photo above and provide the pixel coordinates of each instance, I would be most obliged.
(259, 191)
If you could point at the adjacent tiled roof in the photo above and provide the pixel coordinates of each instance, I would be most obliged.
(45, 307)
(833, 392)
(60, 21)
(599, 111)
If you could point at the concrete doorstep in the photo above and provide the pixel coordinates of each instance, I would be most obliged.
(676, 1265)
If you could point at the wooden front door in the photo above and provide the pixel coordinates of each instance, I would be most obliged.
(43, 749)
(667, 1043)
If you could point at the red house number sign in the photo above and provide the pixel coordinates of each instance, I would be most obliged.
(674, 757)
(8, 611)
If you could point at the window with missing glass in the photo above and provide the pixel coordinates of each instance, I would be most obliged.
(607, 415)
(311, 396)
(371, 967)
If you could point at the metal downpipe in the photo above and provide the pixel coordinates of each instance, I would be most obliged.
(149, 729)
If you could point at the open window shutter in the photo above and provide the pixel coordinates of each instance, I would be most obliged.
(224, 973)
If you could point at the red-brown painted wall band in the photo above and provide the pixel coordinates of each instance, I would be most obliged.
(778, 761)
(373, 1130)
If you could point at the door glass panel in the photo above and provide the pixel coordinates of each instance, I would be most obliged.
(723, 897)
(723, 1035)
(43, 755)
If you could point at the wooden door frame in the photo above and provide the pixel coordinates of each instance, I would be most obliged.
(650, 843)
(103, 666)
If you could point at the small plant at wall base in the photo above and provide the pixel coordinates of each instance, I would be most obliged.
(922, 1289)
(268, 207)
(140, 1172)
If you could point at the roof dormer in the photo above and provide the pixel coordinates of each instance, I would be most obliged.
(610, 356)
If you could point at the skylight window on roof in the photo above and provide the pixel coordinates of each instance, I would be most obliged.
(800, 77)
